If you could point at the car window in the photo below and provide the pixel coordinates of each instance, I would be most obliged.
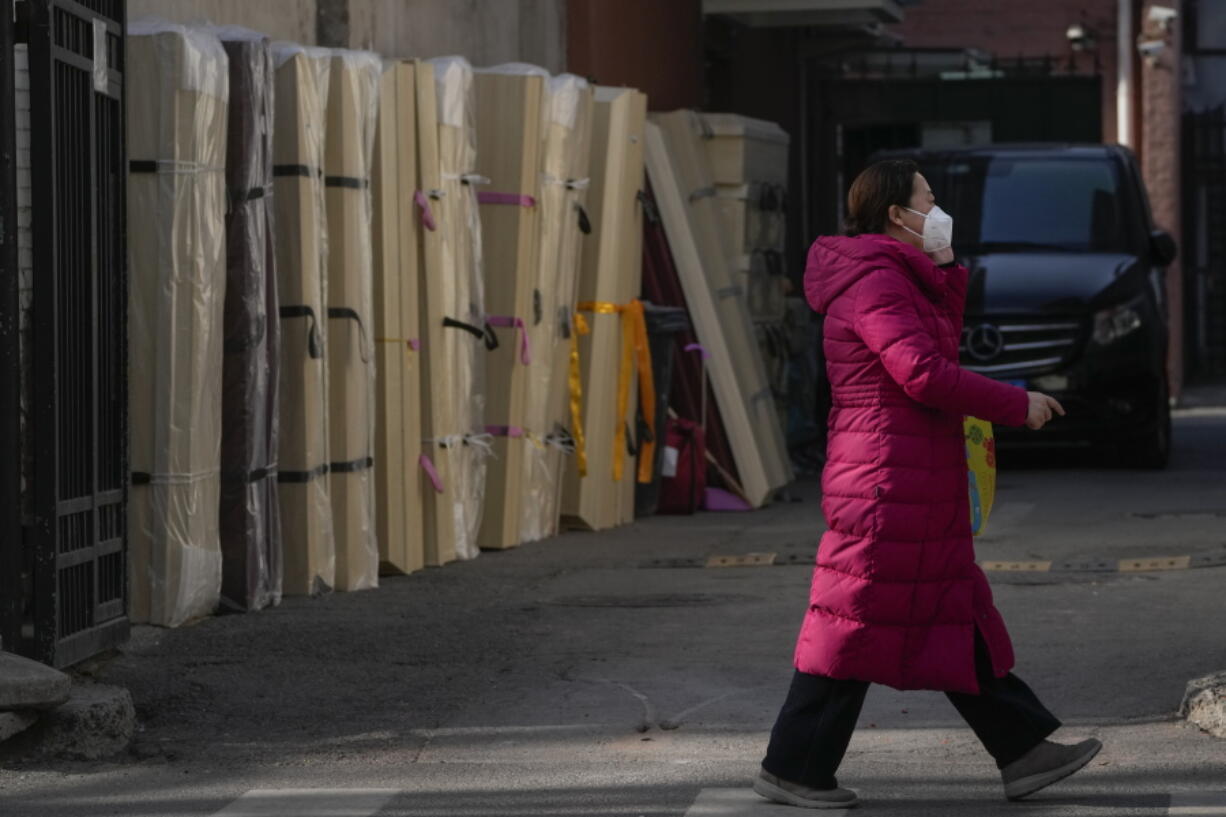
(1037, 204)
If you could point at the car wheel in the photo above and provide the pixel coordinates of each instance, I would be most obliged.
(1153, 449)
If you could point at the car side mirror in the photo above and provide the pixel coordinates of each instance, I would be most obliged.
(1162, 247)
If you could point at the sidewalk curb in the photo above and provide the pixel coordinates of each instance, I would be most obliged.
(96, 722)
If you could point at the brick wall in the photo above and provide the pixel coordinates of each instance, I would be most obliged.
(1019, 28)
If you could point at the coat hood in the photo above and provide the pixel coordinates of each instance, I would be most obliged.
(837, 262)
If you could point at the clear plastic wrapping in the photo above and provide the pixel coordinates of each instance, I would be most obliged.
(460, 440)
(351, 118)
(566, 154)
(250, 514)
(177, 97)
(308, 544)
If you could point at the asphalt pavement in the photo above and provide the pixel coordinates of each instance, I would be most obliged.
(616, 674)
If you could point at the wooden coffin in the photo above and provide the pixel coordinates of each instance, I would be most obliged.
(301, 93)
(250, 514)
(351, 118)
(508, 120)
(566, 159)
(454, 313)
(398, 498)
(609, 282)
(177, 95)
(681, 178)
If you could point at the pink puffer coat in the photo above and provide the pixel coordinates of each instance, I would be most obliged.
(896, 593)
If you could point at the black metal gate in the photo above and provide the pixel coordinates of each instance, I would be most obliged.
(1204, 241)
(78, 418)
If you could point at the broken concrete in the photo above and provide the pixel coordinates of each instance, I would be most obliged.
(26, 684)
(1204, 704)
(96, 722)
(13, 723)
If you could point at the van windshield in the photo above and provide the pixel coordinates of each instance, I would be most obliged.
(1009, 204)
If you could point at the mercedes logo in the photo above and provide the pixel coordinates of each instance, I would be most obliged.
(984, 342)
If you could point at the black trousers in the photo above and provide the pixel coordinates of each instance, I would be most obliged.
(815, 724)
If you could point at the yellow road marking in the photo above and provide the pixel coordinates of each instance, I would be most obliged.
(1017, 567)
(1158, 563)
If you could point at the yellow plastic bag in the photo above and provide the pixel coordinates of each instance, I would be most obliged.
(981, 470)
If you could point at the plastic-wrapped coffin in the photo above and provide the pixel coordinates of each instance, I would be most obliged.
(301, 258)
(615, 350)
(177, 94)
(453, 426)
(681, 176)
(509, 119)
(397, 224)
(250, 514)
(566, 156)
(351, 118)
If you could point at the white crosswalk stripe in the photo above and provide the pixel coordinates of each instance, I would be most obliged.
(1200, 804)
(309, 803)
(742, 802)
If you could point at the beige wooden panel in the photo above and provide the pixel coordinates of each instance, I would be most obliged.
(352, 116)
(508, 121)
(679, 168)
(567, 147)
(743, 150)
(611, 273)
(459, 440)
(298, 198)
(177, 107)
(438, 422)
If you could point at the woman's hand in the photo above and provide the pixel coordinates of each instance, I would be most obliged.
(942, 256)
(1041, 408)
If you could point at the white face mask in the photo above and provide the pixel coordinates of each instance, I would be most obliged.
(938, 229)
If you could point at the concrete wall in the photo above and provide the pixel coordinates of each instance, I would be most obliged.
(487, 32)
(292, 20)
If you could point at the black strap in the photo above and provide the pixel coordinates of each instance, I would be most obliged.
(314, 346)
(585, 223)
(297, 170)
(360, 464)
(141, 478)
(487, 334)
(248, 477)
(302, 476)
(347, 181)
(142, 166)
(346, 312)
(244, 196)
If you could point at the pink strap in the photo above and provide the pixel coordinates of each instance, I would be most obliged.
(428, 466)
(525, 345)
(505, 431)
(414, 344)
(427, 217)
(515, 199)
(698, 347)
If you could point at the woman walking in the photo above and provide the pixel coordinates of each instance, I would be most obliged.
(897, 597)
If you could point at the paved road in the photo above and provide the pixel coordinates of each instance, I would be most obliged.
(579, 677)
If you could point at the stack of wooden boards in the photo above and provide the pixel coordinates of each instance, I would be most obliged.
(178, 94)
(749, 165)
(250, 513)
(405, 294)
(716, 294)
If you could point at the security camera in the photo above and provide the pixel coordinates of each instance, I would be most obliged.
(1163, 15)
(1151, 48)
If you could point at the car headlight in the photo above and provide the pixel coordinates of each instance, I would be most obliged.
(1119, 321)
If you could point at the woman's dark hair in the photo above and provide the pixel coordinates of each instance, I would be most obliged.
(868, 202)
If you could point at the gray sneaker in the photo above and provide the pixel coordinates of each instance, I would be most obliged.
(794, 794)
(1045, 764)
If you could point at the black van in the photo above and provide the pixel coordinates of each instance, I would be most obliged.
(1067, 292)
